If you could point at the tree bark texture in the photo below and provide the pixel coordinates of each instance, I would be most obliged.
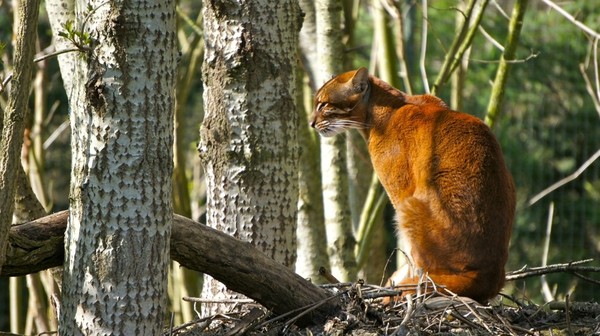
(13, 123)
(249, 134)
(59, 12)
(338, 221)
(38, 245)
(121, 99)
(310, 232)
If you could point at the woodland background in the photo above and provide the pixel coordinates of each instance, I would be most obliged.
(548, 127)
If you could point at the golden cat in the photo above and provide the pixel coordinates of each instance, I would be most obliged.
(444, 173)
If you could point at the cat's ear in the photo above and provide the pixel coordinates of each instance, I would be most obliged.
(360, 80)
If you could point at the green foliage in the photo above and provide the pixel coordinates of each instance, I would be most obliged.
(548, 129)
(82, 40)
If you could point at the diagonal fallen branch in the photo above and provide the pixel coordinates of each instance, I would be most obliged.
(39, 244)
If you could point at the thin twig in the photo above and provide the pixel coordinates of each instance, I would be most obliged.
(462, 300)
(514, 61)
(586, 278)
(461, 43)
(385, 267)
(596, 68)
(545, 288)
(171, 323)
(568, 315)
(409, 311)
(60, 52)
(465, 320)
(5, 82)
(555, 268)
(490, 38)
(572, 19)
(190, 323)
(565, 180)
(202, 300)
(39, 59)
(57, 132)
(590, 88)
(499, 8)
(424, 47)
(310, 309)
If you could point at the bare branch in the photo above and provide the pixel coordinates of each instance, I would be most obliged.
(545, 287)
(571, 267)
(424, 48)
(490, 39)
(593, 89)
(39, 59)
(460, 44)
(595, 36)
(590, 88)
(565, 180)
(572, 19)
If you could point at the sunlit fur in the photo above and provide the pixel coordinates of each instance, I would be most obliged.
(444, 173)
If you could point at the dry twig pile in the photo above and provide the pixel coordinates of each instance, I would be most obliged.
(431, 314)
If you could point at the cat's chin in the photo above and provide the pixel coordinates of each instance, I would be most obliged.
(329, 133)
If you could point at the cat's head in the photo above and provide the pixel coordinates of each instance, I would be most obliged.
(341, 103)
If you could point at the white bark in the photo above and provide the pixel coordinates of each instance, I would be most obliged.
(249, 134)
(59, 12)
(312, 240)
(338, 222)
(121, 100)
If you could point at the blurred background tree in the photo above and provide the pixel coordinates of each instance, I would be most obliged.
(548, 125)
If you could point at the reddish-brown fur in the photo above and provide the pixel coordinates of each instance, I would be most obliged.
(444, 173)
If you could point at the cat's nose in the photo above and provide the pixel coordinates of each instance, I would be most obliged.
(313, 123)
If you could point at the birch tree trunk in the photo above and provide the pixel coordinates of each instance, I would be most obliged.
(338, 222)
(248, 141)
(312, 239)
(121, 100)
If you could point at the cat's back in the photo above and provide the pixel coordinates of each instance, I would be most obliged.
(455, 140)
(455, 158)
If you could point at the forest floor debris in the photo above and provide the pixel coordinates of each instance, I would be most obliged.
(363, 314)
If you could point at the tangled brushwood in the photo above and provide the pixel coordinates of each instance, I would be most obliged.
(431, 314)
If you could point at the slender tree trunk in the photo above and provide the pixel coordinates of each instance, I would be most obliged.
(14, 116)
(185, 282)
(249, 139)
(121, 100)
(308, 42)
(312, 239)
(510, 48)
(338, 222)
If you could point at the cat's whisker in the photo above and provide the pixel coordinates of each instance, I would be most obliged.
(350, 124)
(330, 128)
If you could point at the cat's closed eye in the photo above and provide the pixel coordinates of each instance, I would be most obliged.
(332, 111)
